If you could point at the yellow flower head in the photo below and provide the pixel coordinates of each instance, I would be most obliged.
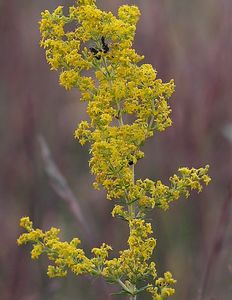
(126, 103)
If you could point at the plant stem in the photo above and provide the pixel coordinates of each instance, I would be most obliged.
(120, 120)
(124, 286)
(131, 207)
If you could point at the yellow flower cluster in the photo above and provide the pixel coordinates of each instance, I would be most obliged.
(65, 256)
(149, 194)
(126, 104)
(161, 290)
(113, 150)
(132, 264)
(121, 87)
(161, 195)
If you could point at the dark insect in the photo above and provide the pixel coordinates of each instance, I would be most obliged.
(105, 47)
(130, 163)
(97, 52)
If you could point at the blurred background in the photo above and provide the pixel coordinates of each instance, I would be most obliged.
(44, 172)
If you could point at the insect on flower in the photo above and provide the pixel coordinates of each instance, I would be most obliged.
(97, 51)
(115, 148)
(105, 46)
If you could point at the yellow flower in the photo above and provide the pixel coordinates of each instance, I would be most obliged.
(126, 103)
(26, 223)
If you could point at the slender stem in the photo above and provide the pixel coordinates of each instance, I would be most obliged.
(106, 67)
(131, 206)
(152, 118)
(120, 120)
(123, 286)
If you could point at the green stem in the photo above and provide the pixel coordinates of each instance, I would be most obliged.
(108, 77)
(120, 120)
(131, 206)
(123, 286)
(106, 67)
(152, 118)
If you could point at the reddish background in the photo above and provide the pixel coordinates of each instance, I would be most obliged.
(190, 41)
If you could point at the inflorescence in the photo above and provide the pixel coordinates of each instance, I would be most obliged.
(126, 104)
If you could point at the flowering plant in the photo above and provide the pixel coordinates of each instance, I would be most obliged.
(126, 104)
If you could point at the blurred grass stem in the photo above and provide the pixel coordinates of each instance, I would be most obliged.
(61, 187)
